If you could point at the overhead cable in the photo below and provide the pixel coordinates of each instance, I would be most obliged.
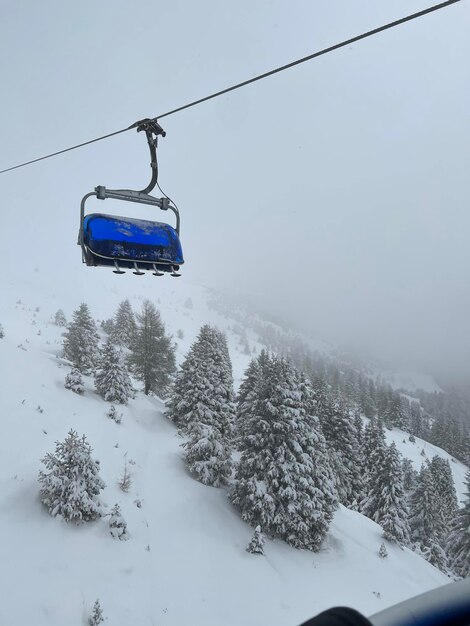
(282, 68)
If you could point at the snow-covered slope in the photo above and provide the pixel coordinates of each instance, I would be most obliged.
(185, 561)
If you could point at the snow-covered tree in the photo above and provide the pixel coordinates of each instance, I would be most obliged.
(81, 340)
(203, 389)
(256, 545)
(373, 446)
(445, 489)
(112, 381)
(114, 415)
(284, 482)
(338, 429)
(386, 503)
(207, 454)
(74, 381)
(427, 519)
(409, 474)
(71, 484)
(458, 542)
(60, 319)
(117, 524)
(248, 391)
(124, 325)
(152, 357)
(96, 616)
(383, 551)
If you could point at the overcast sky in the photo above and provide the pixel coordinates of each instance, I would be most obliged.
(338, 191)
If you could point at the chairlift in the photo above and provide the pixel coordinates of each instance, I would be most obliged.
(126, 242)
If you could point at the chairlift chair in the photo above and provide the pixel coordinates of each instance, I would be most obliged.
(130, 243)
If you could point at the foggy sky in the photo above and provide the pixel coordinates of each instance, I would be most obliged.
(337, 192)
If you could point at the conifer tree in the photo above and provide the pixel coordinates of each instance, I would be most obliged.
(247, 394)
(207, 454)
(202, 405)
(409, 474)
(383, 551)
(81, 340)
(284, 482)
(152, 357)
(203, 389)
(112, 381)
(458, 541)
(427, 519)
(386, 503)
(445, 489)
(71, 484)
(74, 381)
(117, 524)
(339, 432)
(96, 616)
(60, 319)
(256, 545)
(373, 445)
(124, 325)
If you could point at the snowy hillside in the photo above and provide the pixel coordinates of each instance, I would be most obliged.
(185, 561)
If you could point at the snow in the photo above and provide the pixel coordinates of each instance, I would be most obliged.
(185, 561)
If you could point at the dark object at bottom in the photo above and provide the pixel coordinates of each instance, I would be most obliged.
(339, 616)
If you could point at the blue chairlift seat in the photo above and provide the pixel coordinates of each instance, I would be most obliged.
(109, 239)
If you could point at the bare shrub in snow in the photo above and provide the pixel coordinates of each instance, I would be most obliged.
(125, 481)
(71, 484)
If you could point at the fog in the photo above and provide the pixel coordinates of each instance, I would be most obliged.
(336, 193)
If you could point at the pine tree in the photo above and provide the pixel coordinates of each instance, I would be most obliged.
(373, 445)
(96, 616)
(256, 545)
(427, 519)
(71, 485)
(112, 381)
(60, 319)
(114, 415)
(409, 474)
(284, 482)
(445, 489)
(117, 524)
(207, 454)
(203, 389)
(247, 394)
(124, 325)
(383, 551)
(386, 503)
(202, 405)
(458, 542)
(152, 357)
(74, 381)
(81, 341)
(339, 432)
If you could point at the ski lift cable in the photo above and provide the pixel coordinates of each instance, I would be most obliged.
(282, 68)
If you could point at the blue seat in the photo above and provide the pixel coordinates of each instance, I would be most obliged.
(109, 238)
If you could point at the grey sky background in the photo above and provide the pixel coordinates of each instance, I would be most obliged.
(337, 192)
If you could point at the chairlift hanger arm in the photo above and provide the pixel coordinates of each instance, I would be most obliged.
(152, 130)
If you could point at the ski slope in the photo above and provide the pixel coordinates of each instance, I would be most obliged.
(185, 561)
